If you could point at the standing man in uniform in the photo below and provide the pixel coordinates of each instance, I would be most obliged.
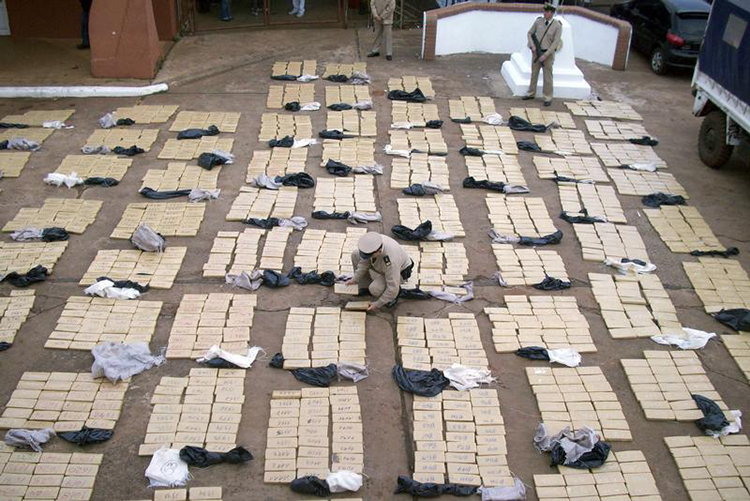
(382, 15)
(544, 40)
(380, 265)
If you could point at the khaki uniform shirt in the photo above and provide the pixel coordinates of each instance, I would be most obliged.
(392, 259)
(549, 40)
(384, 9)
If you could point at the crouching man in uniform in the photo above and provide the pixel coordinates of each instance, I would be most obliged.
(380, 266)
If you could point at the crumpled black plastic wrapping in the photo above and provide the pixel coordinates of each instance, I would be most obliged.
(337, 78)
(580, 217)
(339, 107)
(552, 284)
(128, 152)
(730, 251)
(310, 485)
(415, 96)
(470, 182)
(101, 181)
(327, 278)
(210, 160)
(533, 353)
(659, 199)
(301, 180)
(713, 417)
(162, 195)
(468, 151)
(36, 274)
(518, 123)
(551, 239)
(55, 234)
(86, 436)
(423, 383)
(465, 120)
(266, 224)
(333, 134)
(277, 361)
(284, 142)
(415, 293)
(591, 459)
(202, 458)
(528, 146)
(198, 133)
(337, 168)
(736, 318)
(418, 233)
(321, 214)
(4, 345)
(644, 141)
(292, 106)
(274, 279)
(287, 78)
(125, 122)
(317, 376)
(434, 124)
(407, 485)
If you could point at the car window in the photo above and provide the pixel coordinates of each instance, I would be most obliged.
(691, 24)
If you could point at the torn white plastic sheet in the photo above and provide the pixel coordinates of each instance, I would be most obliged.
(265, 181)
(199, 195)
(575, 443)
(343, 481)
(630, 268)
(500, 280)
(642, 167)
(313, 106)
(303, 143)
(33, 439)
(167, 469)
(493, 119)
(376, 169)
(228, 157)
(359, 78)
(117, 361)
(364, 217)
(362, 105)
(95, 150)
(403, 125)
(243, 361)
(565, 356)
(734, 427)
(107, 121)
(497, 238)
(297, 223)
(307, 78)
(147, 239)
(57, 124)
(106, 288)
(57, 179)
(515, 492)
(355, 372)
(455, 298)
(440, 236)
(463, 378)
(250, 281)
(693, 339)
(27, 234)
(21, 143)
(398, 153)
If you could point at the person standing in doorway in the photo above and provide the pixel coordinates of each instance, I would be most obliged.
(225, 14)
(382, 15)
(86, 9)
(298, 8)
(544, 40)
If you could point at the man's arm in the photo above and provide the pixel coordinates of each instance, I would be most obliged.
(362, 268)
(556, 37)
(392, 287)
(374, 9)
(389, 8)
(528, 35)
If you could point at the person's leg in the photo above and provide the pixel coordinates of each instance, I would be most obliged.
(547, 88)
(388, 34)
(378, 38)
(364, 283)
(226, 10)
(295, 7)
(534, 79)
(300, 8)
(377, 286)
(85, 42)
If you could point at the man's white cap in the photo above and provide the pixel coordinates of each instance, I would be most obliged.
(370, 242)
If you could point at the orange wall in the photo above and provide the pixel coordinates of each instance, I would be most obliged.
(62, 18)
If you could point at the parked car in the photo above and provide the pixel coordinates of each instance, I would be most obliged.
(670, 32)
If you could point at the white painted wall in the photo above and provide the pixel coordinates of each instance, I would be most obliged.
(499, 32)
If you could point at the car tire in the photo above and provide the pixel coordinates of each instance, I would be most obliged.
(712, 145)
(658, 61)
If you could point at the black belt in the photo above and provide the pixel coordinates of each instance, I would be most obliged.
(406, 272)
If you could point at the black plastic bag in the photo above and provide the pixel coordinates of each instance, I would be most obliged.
(4, 345)
(465, 120)
(274, 279)
(284, 77)
(583, 218)
(101, 181)
(310, 485)
(292, 106)
(736, 318)
(416, 190)
(528, 146)
(55, 234)
(321, 214)
(468, 151)
(470, 182)
(300, 180)
(731, 251)
(7, 125)
(407, 485)
(644, 140)
(266, 224)
(36, 274)
(277, 361)
(415, 96)
(125, 122)
(713, 417)
(4, 145)
(337, 78)
(339, 107)
(434, 124)
(327, 278)
(333, 134)
(317, 376)
(415, 293)
(552, 284)
(564, 179)
(126, 284)
(588, 460)
(518, 123)
(219, 363)
(200, 457)
(209, 160)
(198, 133)
(284, 142)
(418, 233)
(128, 152)
(551, 239)
(162, 195)
(424, 383)
(659, 199)
(337, 168)
(86, 436)
(533, 353)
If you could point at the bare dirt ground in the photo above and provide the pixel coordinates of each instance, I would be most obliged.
(230, 72)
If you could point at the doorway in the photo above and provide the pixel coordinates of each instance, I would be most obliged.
(4, 23)
(257, 13)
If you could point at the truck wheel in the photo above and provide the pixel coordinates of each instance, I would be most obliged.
(712, 145)
(658, 62)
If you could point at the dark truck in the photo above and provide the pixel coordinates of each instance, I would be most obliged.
(721, 82)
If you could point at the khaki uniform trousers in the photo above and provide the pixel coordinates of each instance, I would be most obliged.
(546, 67)
(383, 31)
(375, 282)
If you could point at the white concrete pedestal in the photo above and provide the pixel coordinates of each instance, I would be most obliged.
(568, 79)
